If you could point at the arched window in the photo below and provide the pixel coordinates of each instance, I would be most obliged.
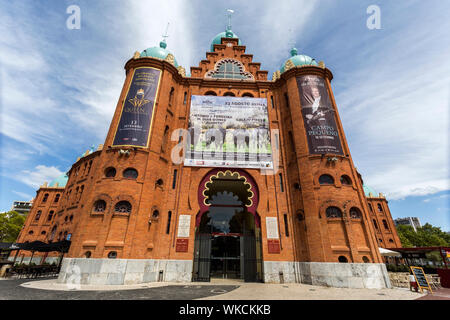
(385, 224)
(130, 173)
(87, 254)
(355, 213)
(65, 234)
(165, 139)
(71, 218)
(43, 233)
(342, 259)
(52, 234)
(210, 93)
(333, 212)
(345, 180)
(380, 209)
(50, 215)
(110, 172)
(375, 224)
(90, 165)
(112, 255)
(123, 207)
(81, 193)
(30, 232)
(99, 206)
(370, 208)
(391, 241)
(155, 214)
(172, 90)
(365, 259)
(185, 98)
(45, 197)
(326, 179)
(228, 94)
(38, 215)
(247, 94)
(229, 69)
(57, 197)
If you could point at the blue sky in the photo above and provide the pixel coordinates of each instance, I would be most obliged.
(59, 87)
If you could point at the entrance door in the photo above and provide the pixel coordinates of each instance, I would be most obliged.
(225, 257)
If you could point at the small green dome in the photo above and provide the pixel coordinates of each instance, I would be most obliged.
(369, 192)
(299, 60)
(226, 34)
(61, 181)
(158, 52)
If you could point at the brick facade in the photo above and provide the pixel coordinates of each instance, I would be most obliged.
(294, 196)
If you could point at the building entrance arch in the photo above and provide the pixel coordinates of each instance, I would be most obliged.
(228, 233)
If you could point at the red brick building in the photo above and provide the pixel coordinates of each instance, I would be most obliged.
(135, 215)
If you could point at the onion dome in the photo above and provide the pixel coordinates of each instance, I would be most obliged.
(158, 52)
(226, 34)
(59, 182)
(297, 60)
(369, 192)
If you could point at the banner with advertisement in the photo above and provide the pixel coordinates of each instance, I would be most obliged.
(228, 132)
(137, 109)
(318, 116)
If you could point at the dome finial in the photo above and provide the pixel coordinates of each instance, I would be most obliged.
(163, 43)
(228, 32)
(294, 51)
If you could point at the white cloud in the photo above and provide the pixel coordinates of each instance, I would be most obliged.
(24, 196)
(39, 175)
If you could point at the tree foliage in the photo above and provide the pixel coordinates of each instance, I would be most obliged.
(11, 223)
(427, 236)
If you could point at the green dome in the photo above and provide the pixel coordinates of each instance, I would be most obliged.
(369, 192)
(226, 34)
(299, 60)
(158, 52)
(61, 181)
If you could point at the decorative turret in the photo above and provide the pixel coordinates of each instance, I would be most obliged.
(297, 60)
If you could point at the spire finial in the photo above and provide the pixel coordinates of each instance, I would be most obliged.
(230, 12)
(163, 43)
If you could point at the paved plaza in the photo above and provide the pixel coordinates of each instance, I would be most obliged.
(48, 289)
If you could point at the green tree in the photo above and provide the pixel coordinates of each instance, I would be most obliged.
(427, 236)
(10, 225)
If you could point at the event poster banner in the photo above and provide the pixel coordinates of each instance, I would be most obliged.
(137, 110)
(228, 132)
(318, 116)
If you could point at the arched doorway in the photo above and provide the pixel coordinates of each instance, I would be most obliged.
(228, 233)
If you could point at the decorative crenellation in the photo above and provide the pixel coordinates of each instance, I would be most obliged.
(181, 71)
(170, 58)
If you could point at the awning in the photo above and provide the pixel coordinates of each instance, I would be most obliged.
(39, 246)
(389, 253)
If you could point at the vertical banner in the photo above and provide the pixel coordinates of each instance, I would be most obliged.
(318, 116)
(137, 109)
(229, 132)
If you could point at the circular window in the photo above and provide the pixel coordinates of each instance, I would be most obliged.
(110, 172)
(345, 180)
(31, 232)
(391, 241)
(123, 207)
(342, 259)
(159, 182)
(112, 255)
(334, 212)
(326, 179)
(130, 173)
(43, 232)
(87, 254)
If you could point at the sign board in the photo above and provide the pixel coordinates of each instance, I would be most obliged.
(421, 279)
(272, 228)
(318, 116)
(136, 116)
(228, 132)
(273, 246)
(184, 226)
(182, 245)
